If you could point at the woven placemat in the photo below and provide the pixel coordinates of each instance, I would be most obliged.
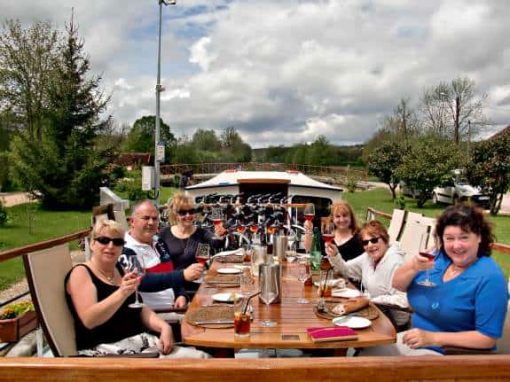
(369, 311)
(212, 312)
(233, 258)
(221, 281)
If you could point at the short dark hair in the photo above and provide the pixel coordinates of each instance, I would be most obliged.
(469, 219)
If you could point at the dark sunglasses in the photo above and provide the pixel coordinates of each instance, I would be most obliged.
(191, 211)
(105, 240)
(372, 240)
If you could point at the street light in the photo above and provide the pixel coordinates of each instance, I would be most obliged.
(159, 149)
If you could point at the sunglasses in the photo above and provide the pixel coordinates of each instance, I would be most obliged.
(105, 240)
(191, 211)
(372, 240)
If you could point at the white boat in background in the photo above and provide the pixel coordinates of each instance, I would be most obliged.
(295, 186)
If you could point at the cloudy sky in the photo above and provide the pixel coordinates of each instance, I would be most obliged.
(284, 71)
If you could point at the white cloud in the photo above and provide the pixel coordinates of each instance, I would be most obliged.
(285, 71)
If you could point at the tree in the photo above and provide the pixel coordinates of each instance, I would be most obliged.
(427, 164)
(320, 152)
(490, 168)
(140, 138)
(449, 108)
(383, 163)
(206, 140)
(27, 61)
(64, 168)
(234, 148)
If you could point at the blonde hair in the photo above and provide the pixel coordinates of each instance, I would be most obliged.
(344, 207)
(109, 225)
(177, 202)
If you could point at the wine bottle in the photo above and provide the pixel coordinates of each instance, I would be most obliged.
(315, 251)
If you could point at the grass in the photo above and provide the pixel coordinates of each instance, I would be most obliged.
(380, 199)
(29, 224)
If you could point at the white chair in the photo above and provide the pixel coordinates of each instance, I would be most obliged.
(396, 224)
(414, 238)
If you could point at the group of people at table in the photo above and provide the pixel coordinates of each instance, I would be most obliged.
(465, 308)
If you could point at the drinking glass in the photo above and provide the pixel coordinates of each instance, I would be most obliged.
(217, 215)
(309, 212)
(202, 256)
(328, 231)
(134, 264)
(304, 274)
(430, 254)
(268, 294)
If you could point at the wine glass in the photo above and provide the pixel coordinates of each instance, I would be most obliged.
(430, 254)
(202, 256)
(304, 274)
(309, 212)
(328, 231)
(268, 294)
(135, 265)
(217, 215)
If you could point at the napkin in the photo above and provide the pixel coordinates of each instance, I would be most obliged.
(239, 251)
(351, 305)
(333, 333)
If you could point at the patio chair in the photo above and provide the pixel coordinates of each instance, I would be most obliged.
(396, 224)
(46, 270)
(414, 237)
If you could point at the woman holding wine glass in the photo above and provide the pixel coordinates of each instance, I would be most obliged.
(345, 234)
(374, 269)
(183, 237)
(467, 305)
(99, 295)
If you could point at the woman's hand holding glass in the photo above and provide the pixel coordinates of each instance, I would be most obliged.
(135, 270)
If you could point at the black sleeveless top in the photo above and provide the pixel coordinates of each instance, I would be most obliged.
(126, 322)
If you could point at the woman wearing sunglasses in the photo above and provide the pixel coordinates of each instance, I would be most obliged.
(99, 293)
(182, 237)
(374, 269)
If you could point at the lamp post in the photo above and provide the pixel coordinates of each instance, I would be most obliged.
(159, 149)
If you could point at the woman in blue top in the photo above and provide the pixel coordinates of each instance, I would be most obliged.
(467, 306)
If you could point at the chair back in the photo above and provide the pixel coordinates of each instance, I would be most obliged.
(503, 344)
(46, 270)
(414, 238)
(396, 223)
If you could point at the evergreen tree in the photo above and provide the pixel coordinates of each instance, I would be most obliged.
(65, 169)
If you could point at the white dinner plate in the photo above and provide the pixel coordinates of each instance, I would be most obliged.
(345, 293)
(332, 283)
(225, 297)
(354, 322)
(228, 270)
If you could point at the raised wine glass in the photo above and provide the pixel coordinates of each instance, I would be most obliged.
(134, 264)
(430, 254)
(309, 212)
(217, 215)
(202, 256)
(268, 294)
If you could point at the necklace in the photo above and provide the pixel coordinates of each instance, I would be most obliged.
(109, 277)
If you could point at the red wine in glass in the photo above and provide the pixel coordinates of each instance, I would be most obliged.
(201, 259)
(309, 217)
(241, 228)
(427, 282)
(216, 221)
(328, 237)
(254, 228)
(429, 256)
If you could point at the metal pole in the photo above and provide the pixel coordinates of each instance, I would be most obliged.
(157, 129)
(159, 89)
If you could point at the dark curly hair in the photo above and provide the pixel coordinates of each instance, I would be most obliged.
(469, 219)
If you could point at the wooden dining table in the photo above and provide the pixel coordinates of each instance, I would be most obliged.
(292, 319)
